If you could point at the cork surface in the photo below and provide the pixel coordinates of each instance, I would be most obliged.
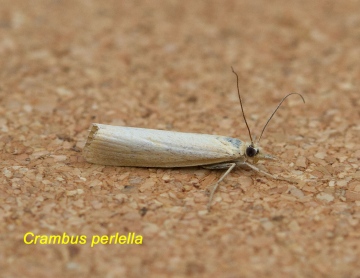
(167, 65)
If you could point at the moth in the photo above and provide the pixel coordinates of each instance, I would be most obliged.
(141, 147)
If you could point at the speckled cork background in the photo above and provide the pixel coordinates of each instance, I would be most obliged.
(167, 65)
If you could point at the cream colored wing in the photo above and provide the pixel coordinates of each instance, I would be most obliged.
(129, 146)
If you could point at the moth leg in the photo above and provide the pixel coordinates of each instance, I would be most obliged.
(229, 167)
(265, 173)
(258, 170)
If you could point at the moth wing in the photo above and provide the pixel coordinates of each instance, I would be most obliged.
(128, 146)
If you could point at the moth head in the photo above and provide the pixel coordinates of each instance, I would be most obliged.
(251, 151)
(255, 153)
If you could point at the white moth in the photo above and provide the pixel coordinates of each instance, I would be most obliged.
(140, 147)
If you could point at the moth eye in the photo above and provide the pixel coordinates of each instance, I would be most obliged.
(251, 151)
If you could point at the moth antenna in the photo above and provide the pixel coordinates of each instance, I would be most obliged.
(242, 109)
(277, 110)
